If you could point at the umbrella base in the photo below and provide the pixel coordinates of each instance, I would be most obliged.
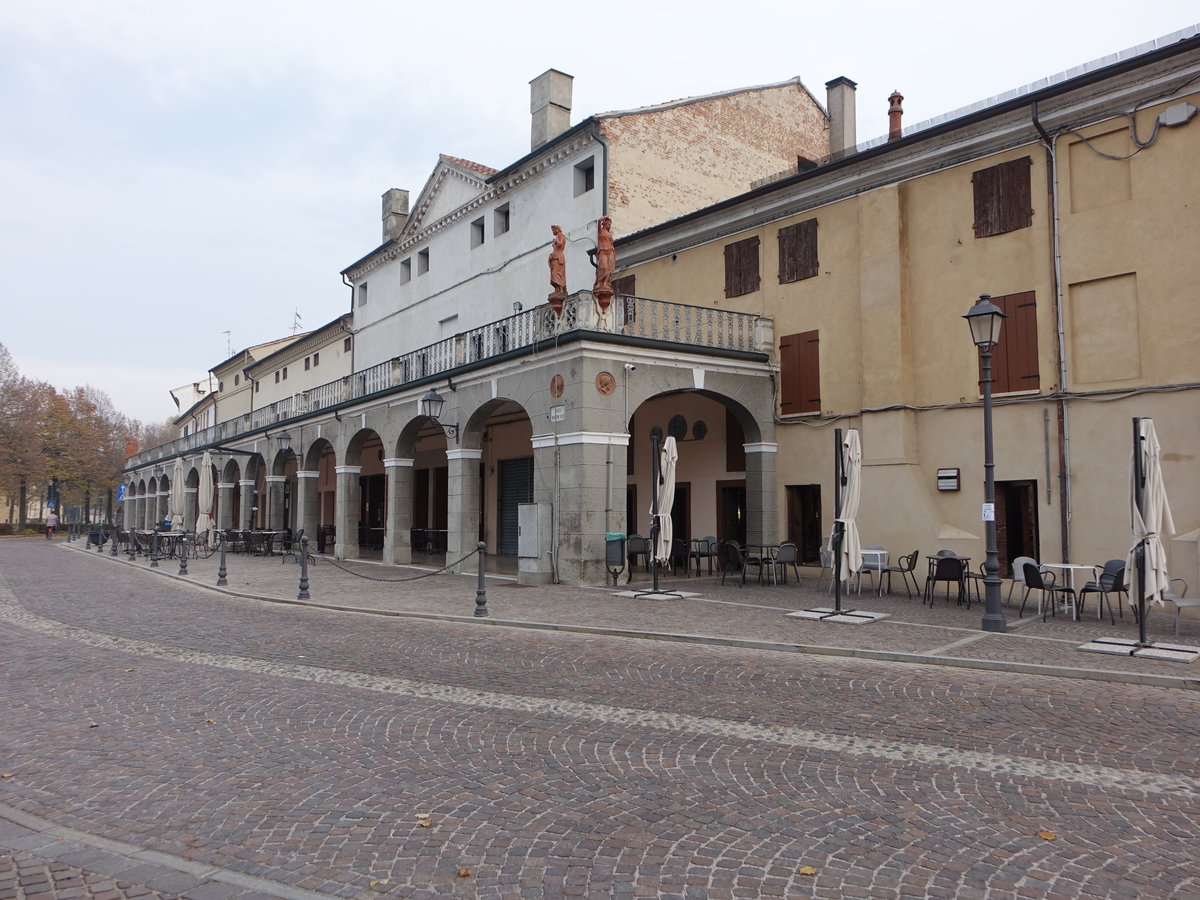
(663, 594)
(839, 617)
(1153, 650)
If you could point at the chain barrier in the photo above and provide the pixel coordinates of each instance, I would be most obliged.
(448, 566)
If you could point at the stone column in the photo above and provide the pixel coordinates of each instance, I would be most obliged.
(191, 503)
(346, 509)
(274, 519)
(397, 537)
(306, 506)
(762, 510)
(225, 505)
(249, 519)
(462, 503)
(160, 508)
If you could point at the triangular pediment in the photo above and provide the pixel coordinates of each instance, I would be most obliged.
(453, 184)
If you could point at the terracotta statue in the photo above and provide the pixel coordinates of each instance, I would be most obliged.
(558, 267)
(606, 262)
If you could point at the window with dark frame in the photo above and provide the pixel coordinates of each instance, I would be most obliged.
(800, 373)
(307, 363)
(1003, 197)
(741, 267)
(1015, 358)
(798, 251)
(500, 221)
(477, 233)
(346, 345)
(316, 359)
(585, 176)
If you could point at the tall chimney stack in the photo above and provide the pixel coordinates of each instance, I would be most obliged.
(550, 105)
(839, 99)
(395, 212)
(895, 113)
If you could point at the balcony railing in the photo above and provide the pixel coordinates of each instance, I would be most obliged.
(630, 317)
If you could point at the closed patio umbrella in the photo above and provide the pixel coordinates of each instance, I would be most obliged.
(1150, 514)
(667, 458)
(204, 500)
(851, 495)
(177, 495)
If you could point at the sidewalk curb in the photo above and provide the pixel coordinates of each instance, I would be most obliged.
(1130, 678)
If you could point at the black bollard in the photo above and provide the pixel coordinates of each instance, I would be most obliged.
(303, 595)
(481, 609)
(113, 538)
(221, 568)
(154, 549)
(100, 541)
(182, 546)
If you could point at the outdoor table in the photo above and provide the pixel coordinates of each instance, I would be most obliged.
(880, 558)
(1069, 570)
(765, 553)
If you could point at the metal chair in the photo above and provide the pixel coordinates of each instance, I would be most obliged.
(1111, 580)
(1181, 602)
(728, 556)
(905, 566)
(950, 571)
(705, 548)
(872, 565)
(826, 557)
(788, 554)
(636, 546)
(1017, 567)
(1043, 582)
(763, 562)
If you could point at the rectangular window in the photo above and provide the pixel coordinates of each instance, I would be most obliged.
(307, 361)
(1003, 198)
(741, 267)
(500, 220)
(585, 176)
(477, 235)
(798, 251)
(405, 271)
(800, 373)
(316, 360)
(362, 294)
(277, 376)
(422, 262)
(257, 386)
(346, 345)
(1015, 358)
(285, 373)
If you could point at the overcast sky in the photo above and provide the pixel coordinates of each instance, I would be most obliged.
(172, 171)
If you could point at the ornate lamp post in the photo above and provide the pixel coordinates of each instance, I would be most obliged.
(985, 319)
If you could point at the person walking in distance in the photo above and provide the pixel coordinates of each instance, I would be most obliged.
(51, 524)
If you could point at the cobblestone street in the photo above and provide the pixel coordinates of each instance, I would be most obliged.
(160, 739)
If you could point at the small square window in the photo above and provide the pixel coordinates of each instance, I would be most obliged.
(585, 176)
(500, 220)
(422, 262)
(362, 294)
(406, 271)
(316, 360)
(477, 235)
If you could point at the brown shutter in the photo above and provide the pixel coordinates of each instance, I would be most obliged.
(799, 373)
(1015, 358)
(986, 187)
(1016, 204)
(741, 267)
(798, 251)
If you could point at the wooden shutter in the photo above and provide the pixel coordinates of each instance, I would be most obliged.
(626, 286)
(799, 373)
(741, 267)
(1015, 358)
(798, 251)
(1003, 197)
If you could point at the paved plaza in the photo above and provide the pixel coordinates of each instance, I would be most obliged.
(162, 738)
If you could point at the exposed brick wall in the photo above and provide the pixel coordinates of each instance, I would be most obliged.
(667, 162)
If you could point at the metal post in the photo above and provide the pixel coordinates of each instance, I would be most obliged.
(655, 528)
(993, 617)
(113, 539)
(182, 546)
(221, 567)
(839, 527)
(154, 549)
(1139, 553)
(481, 609)
(100, 540)
(303, 595)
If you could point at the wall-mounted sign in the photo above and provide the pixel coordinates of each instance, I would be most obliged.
(947, 479)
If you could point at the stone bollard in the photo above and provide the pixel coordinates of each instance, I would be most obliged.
(303, 595)
(481, 609)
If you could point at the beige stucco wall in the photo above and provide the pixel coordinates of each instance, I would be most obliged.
(669, 161)
(900, 265)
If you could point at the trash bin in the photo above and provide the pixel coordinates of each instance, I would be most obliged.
(614, 553)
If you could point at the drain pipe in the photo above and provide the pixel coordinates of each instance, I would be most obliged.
(1064, 421)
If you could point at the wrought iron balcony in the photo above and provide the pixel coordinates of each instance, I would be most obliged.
(639, 320)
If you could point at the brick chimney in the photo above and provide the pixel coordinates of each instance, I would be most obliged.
(895, 113)
(395, 212)
(550, 106)
(839, 99)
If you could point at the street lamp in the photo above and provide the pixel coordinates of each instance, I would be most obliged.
(431, 408)
(985, 319)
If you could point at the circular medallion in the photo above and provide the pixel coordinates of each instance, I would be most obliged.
(556, 386)
(699, 430)
(605, 383)
(677, 427)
